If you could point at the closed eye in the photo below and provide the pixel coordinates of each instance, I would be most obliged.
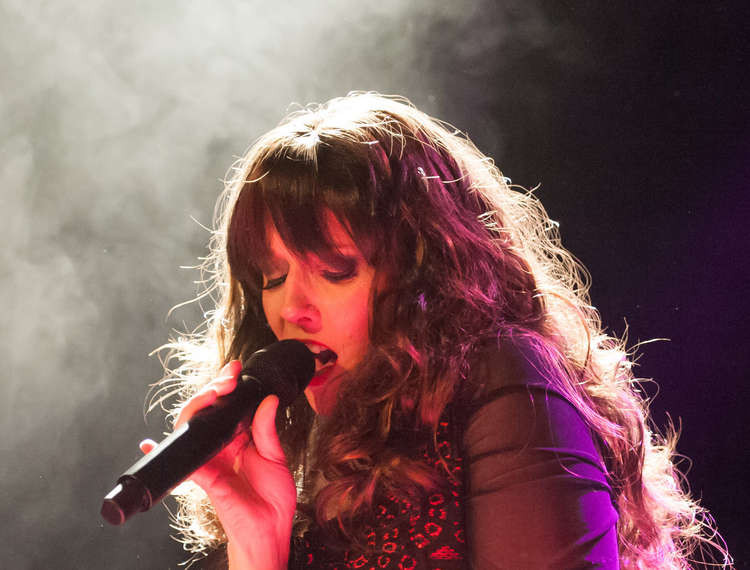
(273, 283)
(337, 276)
(331, 274)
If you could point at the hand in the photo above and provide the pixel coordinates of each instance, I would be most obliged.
(248, 482)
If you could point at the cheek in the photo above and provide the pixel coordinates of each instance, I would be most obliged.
(356, 321)
(271, 312)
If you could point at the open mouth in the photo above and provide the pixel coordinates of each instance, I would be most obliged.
(324, 360)
(324, 357)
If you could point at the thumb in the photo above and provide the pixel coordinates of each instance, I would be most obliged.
(265, 438)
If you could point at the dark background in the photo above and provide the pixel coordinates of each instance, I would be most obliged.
(117, 122)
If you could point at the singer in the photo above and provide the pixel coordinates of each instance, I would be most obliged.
(467, 409)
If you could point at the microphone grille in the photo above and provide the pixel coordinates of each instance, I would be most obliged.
(287, 365)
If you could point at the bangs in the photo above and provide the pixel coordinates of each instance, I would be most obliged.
(298, 194)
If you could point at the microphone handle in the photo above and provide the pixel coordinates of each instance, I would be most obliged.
(183, 451)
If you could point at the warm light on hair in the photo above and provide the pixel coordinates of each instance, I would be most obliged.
(468, 259)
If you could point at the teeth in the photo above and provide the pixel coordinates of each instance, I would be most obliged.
(315, 348)
(323, 355)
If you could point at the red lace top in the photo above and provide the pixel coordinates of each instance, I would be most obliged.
(405, 535)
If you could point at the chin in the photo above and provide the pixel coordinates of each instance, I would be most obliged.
(322, 389)
(320, 399)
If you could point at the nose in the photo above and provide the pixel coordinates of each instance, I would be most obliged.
(298, 307)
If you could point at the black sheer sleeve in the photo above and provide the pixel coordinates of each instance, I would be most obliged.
(537, 491)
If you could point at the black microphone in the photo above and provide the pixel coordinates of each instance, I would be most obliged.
(283, 368)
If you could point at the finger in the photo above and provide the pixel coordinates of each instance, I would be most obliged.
(147, 445)
(226, 381)
(264, 431)
(224, 464)
(228, 492)
(202, 399)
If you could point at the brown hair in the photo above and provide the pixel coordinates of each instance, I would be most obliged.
(468, 258)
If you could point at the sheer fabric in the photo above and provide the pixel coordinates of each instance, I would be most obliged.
(527, 487)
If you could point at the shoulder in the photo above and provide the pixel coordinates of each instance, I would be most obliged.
(511, 362)
(517, 402)
(537, 489)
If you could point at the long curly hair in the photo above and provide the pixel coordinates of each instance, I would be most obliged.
(466, 258)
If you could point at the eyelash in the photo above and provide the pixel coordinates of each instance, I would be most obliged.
(332, 276)
(273, 283)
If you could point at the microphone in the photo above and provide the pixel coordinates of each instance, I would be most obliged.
(283, 368)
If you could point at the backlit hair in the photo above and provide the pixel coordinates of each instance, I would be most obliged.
(467, 259)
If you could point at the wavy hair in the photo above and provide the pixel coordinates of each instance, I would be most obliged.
(467, 258)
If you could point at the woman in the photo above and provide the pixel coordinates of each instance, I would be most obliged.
(467, 408)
